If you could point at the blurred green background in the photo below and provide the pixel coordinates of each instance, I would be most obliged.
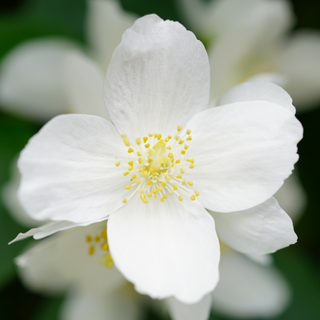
(300, 264)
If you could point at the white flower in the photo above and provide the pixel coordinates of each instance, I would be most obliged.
(248, 39)
(77, 261)
(173, 159)
(34, 76)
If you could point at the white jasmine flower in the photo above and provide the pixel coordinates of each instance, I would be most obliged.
(78, 262)
(34, 76)
(166, 158)
(248, 39)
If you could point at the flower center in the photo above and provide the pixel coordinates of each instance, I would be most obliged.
(100, 241)
(157, 167)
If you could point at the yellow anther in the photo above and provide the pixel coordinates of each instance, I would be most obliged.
(159, 136)
(126, 173)
(165, 196)
(191, 160)
(97, 239)
(130, 169)
(149, 195)
(169, 137)
(117, 164)
(169, 147)
(126, 142)
(103, 235)
(149, 183)
(192, 198)
(162, 199)
(134, 176)
(183, 152)
(125, 200)
(180, 198)
(138, 140)
(91, 250)
(150, 135)
(178, 161)
(156, 135)
(190, 183)
(191, 166)
(144, 199)
(179, 176)
(110, 262)
(145, 139)
(130, 163)
(105, 247)
(170, 155)
(188, 131)
(130, 150)
(159, 188)
(181, 170)
(141, 191)
(179, 128)
(123, 136)
(171, 192)
(128, 187)
(168, 178)
(174, 187)
(197, 193)
(147, 145)
(89, 238)
(163, 184)
(186, 147)
(181, 141)
(140, 160)
(189, 138)
(184, 182)
(166, 139)
(137, 181)
(139, 153)
(154, 191)
(177, 137)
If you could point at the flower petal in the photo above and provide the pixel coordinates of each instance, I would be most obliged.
(84, 85)
(69, 173)
(242, 153)
(165, 249)
(300, 62)
(37, 269)
(257, 231)
(84, 305)
(182, 311)
(106, 22)
(157, 79)
(31, 79)
(249, 290)
(258, 91)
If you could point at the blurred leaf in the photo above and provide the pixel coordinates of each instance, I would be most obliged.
(49, 309)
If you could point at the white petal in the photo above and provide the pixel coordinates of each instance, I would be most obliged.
(37, 268)
(220, 18)
(84, 85)
(248, 290)
(31, 79)
(260, 230)
(255, 91)
(300, 62)
(69, 173)
(242, 153)
(157, 79)
(165, 249)
(82, 270)
(182, 311)
(10, 199)
(292, 198)
(84, 305)
(106, 22)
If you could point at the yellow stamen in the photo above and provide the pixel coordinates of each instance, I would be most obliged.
(179, 176)
(89, 238)
(179, 128)
(103, 235)
(147, 145)
(177, 161)
(128, 187)
(137, 181)
(145, 139)
(186, 147)
(163, 184)
(149, 195)
(138, 141)
(130, 150)
(183, 152)
(188, 131)
(192, 198)
(123, 136)
(125, 200)
(149, 183)
(180, 198)
(191, 166)
(140, 160)
(139, 153)
(189, 138)
(174, 187)
(190, 183)
(91, 250)
(181, 170)
(197, 193)
(130, 169)
(154, 191)
(125, 173)
(117, 164)
(126, 142)
(130, 163)
(150, 135)
(181, 141)
(105, 247)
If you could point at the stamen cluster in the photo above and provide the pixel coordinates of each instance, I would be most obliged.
(158, 167)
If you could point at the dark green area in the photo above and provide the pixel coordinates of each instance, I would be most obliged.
(300, 264)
